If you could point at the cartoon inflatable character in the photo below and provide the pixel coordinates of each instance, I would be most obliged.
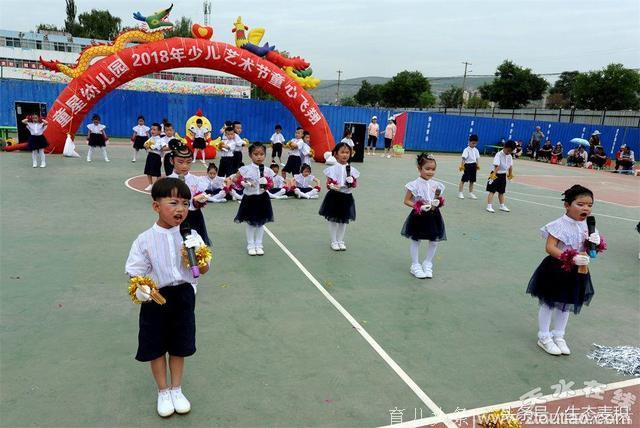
(210, 150)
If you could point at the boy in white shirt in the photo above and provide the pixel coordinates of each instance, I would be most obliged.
(502, 170)
(277, 140)
(470, 164)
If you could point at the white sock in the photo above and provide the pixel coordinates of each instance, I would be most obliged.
(202, 155)
(313, 192)
(219, 197)
(135, 154)
(431, 252)
(34, 156)
(560, 320)
(251, 240)
(89, 153)
(259, 235)
(342, 228)
(544, 322)
(42, 159)
(104, 153)
(333, 230)
(413, 249)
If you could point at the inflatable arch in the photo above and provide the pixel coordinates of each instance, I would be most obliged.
(85, 90)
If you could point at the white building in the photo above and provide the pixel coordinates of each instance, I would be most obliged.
(20, 53)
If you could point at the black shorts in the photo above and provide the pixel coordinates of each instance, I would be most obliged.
(498, 185)
(153, 165)
(372, 141)
(199, 143)
(170, 327)
(469, 172)
(387, 143)
(276, 150)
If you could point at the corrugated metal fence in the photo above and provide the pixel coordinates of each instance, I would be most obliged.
(425, 130)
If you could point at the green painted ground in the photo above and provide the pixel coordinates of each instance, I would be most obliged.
(271, 350)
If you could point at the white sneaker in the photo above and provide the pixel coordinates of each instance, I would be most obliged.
(252, 251)
(43, 165)
(107, 160)
(342, 246)
(165, 405)
(562, 345)
(549, 347)
(180, 402)
(428, 270)
(504, 208)
(148, 188)
(259, 251)
(388, 156)
(35, 164)
(416, 270)
(473, 196)
(460, 195)
(133, 160)
(490, 209)
(88, 160)
(314, 197)
(203, 162)
(335, 246)
(282, 164)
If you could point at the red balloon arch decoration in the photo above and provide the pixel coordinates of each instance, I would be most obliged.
(83, 92)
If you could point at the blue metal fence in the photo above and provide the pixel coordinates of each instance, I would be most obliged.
(425, 130)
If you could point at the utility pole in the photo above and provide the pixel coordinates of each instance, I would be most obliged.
(464, 81)
(338, 89)
(207, 12)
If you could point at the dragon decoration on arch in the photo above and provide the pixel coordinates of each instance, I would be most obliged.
(153, 30)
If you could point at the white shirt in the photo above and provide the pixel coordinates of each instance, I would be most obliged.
(304, 150)
(503, 162)
(296, 152)
(239, 143)
(157, 252)
(277, 138)
(199, 132)
(215, 183)
(470, 155)
(338, 173)
(158, 143)
(196, 185)
(96, 129)
(228, 153)
(278, 182)
(424, 190)
(569, 232)
(141, 130)
(36, 128)
(302, 181)
(348, 141)
(251, 173)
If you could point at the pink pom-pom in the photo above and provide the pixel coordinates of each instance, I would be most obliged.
(567, 259)
(417, 206)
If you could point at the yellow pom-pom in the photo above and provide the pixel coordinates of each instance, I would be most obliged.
(204, 255)
(139, 281)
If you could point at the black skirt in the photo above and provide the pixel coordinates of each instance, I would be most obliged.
(196, 221)
(168, 328)
(427, 226)
(199, 143)
(557, 288)
(139, 141)
(226, 167)
(498, 185)
(168, 166)
(469, 172)
(96, 140)
(153, 165)
(255, 210)
(293, 164)
(37, 142)
(338, 207)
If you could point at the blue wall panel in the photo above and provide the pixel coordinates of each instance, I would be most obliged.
(120, 108)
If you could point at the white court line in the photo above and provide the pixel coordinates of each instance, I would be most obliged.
(546, 188)
(514, 404)
(126, 183)
(370, 340)
(555, 206)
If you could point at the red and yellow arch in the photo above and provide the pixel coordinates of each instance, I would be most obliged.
(102, 77)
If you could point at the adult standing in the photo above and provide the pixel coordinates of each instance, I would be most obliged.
(389, 133)
(373, 130)
(535, 141)
(594, 141)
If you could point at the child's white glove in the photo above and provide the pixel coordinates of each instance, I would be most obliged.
(246, 183)
(193, 241)
(263, 180)
(594, 238)
(425, 208)
(144, 294)
(581, 260)
(435, 203)
(349, 179)
(334, 187)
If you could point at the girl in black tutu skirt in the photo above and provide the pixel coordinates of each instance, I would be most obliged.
(97, 138)
(36, 126)
(425, 220)
(255, 208)
(558, 282)
(338, 206)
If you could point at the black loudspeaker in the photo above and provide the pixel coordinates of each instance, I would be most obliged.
(24, 109)
(359, 131)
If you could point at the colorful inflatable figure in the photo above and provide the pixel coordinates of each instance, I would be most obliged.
(210, 151)
(157, 21)
(296, 68)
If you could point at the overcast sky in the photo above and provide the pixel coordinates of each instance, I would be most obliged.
(376, 38)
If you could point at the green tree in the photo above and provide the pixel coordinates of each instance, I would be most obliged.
(70, 24)
(514, 86)
(613, 88)
(47, 27)
(98, 24)
(452, 97)
(348, 101)
(257, 93)
(427, 99)
(181, 28)
(368, 94)
(562, 93)
(405, 89)
(477, 102)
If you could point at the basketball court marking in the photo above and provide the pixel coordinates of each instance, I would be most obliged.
(515, 404)
(128, 180)
(442, 417)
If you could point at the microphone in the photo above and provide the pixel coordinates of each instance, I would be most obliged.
(591, 227)
(437, 193)
(348, 171)
(261, 169)
(185, 230)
